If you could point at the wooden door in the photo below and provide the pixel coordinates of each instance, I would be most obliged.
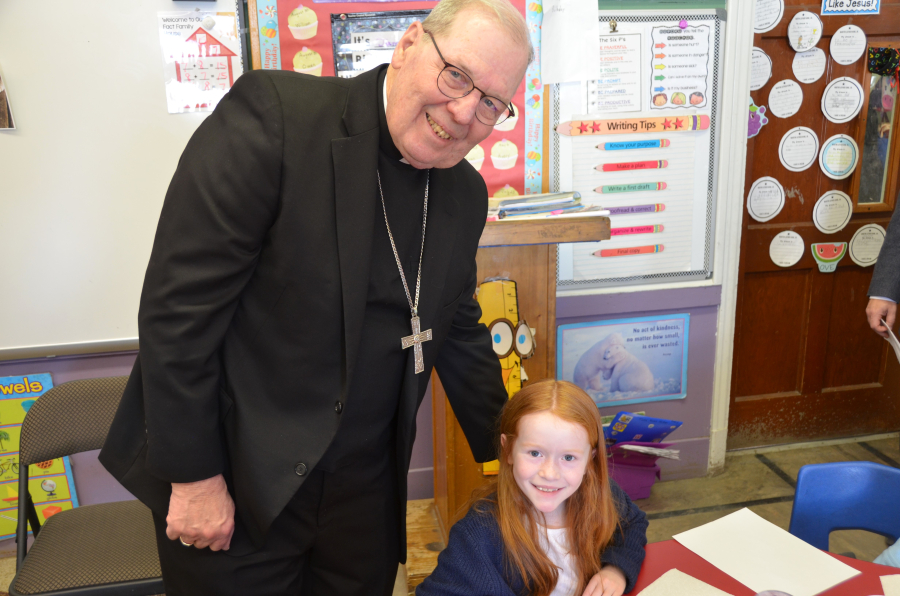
(806, 364)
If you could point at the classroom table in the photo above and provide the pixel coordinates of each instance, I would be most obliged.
(669, 554)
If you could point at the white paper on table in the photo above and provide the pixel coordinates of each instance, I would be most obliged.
(570, 42)
(896, 345)
(762, 556)
(890, 584)
(676, 583)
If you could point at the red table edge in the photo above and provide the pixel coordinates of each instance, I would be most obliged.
(670, 554)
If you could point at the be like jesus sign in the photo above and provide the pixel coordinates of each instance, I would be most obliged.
(845, 7)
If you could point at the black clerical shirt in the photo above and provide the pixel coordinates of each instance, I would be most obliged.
(368, 417)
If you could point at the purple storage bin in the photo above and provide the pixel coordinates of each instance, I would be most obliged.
(634, 472)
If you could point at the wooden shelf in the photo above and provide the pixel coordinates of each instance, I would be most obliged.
(569, 229)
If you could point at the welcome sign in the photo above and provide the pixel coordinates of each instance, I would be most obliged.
(846, 7)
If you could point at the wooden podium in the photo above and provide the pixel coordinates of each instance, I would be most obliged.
(525, 252)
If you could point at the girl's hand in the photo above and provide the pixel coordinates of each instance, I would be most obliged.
(609, 582)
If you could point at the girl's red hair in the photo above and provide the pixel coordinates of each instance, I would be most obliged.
(591, 514)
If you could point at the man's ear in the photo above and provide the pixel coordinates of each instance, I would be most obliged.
(409, 38)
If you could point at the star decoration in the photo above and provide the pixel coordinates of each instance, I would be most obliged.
(667, 124)
(596, 126)
(679, 123)
(584, 127)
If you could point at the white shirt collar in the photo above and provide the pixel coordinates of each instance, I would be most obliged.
(384, 95)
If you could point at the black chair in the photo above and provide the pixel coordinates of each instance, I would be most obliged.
(96, 550)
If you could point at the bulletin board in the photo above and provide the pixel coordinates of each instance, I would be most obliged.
(642, 142)
(346, 38)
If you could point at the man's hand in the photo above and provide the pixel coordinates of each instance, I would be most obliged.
(609, 582)
(881, 309)
(201, 514)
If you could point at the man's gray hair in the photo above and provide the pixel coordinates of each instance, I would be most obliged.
(507, 16)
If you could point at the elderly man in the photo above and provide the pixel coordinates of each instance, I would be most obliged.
(315, 259)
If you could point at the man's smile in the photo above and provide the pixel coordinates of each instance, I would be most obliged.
(440, 132)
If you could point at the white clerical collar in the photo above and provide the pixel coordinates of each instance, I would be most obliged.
(384, 95)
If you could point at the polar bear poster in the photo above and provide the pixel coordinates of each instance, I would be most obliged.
(625, 361)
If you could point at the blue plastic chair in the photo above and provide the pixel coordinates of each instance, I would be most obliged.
(845, 496)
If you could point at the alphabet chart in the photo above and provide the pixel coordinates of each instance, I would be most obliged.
(652, 167)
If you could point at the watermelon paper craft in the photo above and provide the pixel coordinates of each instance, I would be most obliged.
(828, 255)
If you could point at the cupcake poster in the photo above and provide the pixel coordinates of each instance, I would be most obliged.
(298, 35)
(201, 58)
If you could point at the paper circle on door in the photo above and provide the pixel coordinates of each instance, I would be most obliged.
(832, 211)
(786, 249)
(760, 69)
(848, 44)
(805, 31)
(798, 149)
(842, 100)
(866, 244)
(785, 98)
(809, 66)
(839, 156)
(766, 199)
(768, 14)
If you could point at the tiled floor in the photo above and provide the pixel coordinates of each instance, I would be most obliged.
(762, 480)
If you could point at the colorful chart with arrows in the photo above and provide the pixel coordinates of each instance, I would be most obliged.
(680, 73)
(648, 168)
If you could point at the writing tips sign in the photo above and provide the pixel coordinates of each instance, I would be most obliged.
(50, 483)
(844, 7)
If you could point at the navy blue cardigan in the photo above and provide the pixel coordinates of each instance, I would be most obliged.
(472, 564)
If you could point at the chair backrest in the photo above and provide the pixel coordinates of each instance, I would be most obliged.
(70, 418)
(845, 496)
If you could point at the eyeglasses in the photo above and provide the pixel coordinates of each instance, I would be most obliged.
(456, 84)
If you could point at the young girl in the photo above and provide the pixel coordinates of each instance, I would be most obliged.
(553, 523)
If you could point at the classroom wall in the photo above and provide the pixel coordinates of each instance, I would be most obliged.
(702, 303)
(95, 485)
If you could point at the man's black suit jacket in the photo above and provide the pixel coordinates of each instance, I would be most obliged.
(886, 277)
(252, 305)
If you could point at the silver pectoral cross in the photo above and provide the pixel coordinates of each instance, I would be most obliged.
(416, 340)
